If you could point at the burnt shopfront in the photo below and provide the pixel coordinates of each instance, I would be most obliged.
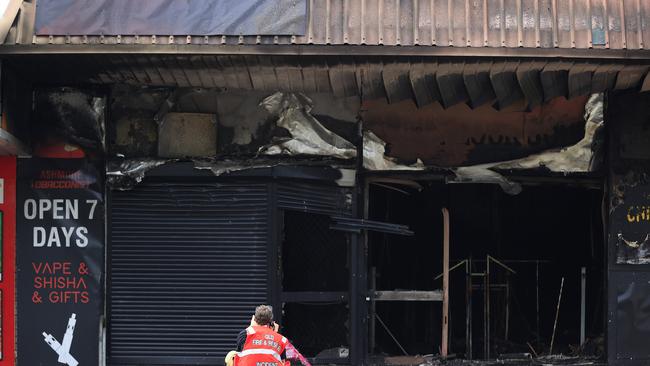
(405, 182)
(330, 208)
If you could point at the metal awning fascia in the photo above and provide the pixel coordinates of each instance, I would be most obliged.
(425, 80)
(580, 24)
(324, 50)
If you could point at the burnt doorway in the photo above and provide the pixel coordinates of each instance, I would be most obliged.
(315, 276)
(532, 241)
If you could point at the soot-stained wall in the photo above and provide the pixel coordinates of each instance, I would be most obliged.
(243, 125)
(460, 135)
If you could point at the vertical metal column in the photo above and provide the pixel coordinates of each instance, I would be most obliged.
(468, 311)
(353, 249)
(583, 303)
(373, 310)
(537, 299)
(507, 306)
(358, 268)
(487, 308)
(445, 283)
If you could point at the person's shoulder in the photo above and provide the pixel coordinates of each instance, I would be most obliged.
(282, 338)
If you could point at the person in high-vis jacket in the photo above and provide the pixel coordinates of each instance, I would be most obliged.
(260, 344)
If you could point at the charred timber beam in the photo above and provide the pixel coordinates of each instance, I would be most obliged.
(477, 82)
(325, 50)
(530, 82)
(431, 296)
(504, 81)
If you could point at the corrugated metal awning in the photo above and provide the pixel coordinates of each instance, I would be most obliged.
(563, 24)
(449, 81)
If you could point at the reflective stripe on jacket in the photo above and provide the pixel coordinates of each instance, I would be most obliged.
(263, 347)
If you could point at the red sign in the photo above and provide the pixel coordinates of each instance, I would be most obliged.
(7, 258)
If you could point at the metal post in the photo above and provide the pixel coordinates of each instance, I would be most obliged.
(487, 307)
(353, 247)
(557, 314)
(373, 309)
(445, 283)
(583, 303)
(507, 305)
(358, 269)
(468, 310)
(485, 316)
(537, 298)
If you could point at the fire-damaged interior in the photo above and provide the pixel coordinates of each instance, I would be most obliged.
(522, 266)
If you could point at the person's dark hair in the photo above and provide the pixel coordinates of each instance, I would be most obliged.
(263, 315)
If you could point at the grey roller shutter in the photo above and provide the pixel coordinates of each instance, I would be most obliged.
(313, 198)
(188, 264)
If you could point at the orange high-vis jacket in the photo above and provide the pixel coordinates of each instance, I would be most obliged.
(263, 347)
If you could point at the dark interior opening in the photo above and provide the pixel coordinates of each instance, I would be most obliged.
(314, 269)
(546, 233)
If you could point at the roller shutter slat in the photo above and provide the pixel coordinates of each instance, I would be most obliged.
(188, 262)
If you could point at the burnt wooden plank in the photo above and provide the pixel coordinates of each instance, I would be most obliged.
(158, 65)
(267, 73)
(646, 83)
(580, 76)
(372, 82)
(423, 84)
(283, 78)
(555, 80)
(108, 68)
(204, 76)
(295, 79)
(528, 76)
(343, 80)
(255, 72)
(503, 76)
(188, 69)
(152, 74)
(476, 76)
(630, 77)
(449, 77)
(342, 76)
(316, 73)
(604, 77)
(241, 72)
(226, 67)
(176, 71)
(141, 76)
(214, 71)
(396, 82)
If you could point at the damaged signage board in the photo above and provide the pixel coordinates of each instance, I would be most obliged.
(628, 232)
(171, 17)
(629, 210)
(60, 261)
(631, 218)
(187, 135)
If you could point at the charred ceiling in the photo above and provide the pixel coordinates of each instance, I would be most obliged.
(461, 135)
(224, 131)
(501, 82)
